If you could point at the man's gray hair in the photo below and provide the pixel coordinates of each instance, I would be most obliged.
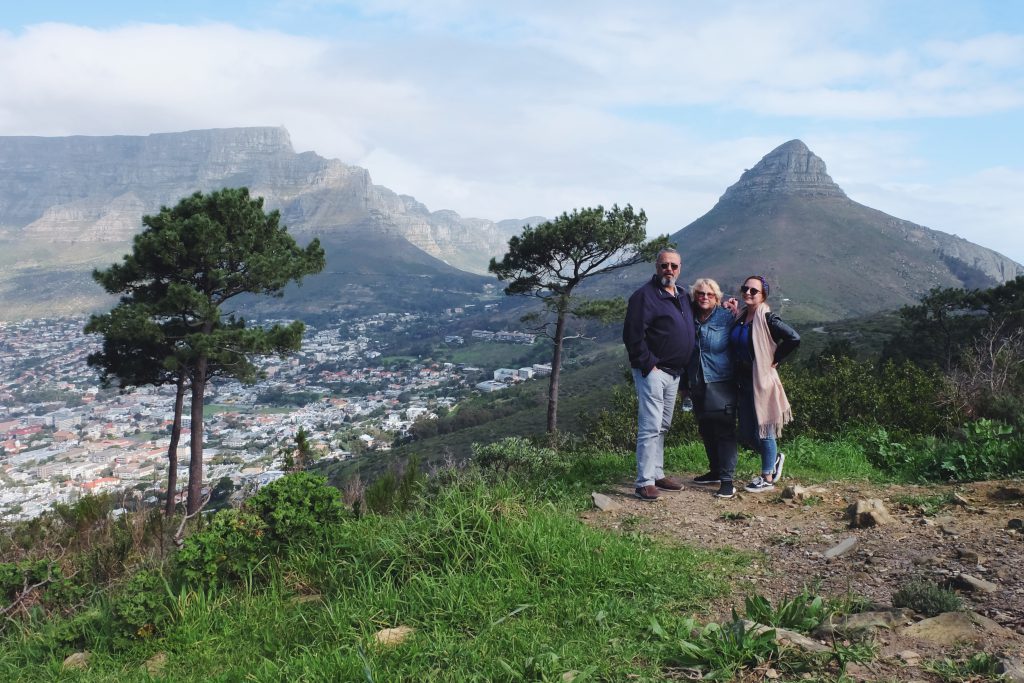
(667, 250)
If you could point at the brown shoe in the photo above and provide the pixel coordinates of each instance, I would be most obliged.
(668, 484)
(649, 492)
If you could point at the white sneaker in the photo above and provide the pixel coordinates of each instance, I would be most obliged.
(759, 485)
(780, 460)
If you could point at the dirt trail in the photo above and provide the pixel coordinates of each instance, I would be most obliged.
(963, 529)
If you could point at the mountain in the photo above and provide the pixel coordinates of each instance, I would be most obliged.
(71, 204)
(825, 256)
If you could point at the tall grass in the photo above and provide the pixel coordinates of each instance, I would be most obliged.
(496, 586)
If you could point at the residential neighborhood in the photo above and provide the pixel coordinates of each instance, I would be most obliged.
(63, 435)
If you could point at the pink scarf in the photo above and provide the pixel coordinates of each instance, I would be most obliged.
(770, 402)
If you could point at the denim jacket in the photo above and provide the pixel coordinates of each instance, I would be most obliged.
(711, 356)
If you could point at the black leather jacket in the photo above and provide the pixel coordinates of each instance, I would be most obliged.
(783, 335)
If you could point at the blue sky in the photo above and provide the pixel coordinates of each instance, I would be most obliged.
(512, 109)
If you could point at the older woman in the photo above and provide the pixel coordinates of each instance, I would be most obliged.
(759, 342)
(712, 385)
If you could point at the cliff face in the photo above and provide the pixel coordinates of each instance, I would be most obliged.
(96, 189)
(789, 170)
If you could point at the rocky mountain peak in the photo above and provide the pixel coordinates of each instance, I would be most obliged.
(789, 169)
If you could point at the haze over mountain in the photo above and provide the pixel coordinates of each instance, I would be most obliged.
(827, 255)
(71, 204)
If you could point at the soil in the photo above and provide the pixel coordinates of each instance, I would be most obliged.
(962, 529)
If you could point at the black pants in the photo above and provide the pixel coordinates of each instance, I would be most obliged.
(719, 438)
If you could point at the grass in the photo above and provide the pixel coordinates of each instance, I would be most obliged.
(930, 505)
(496, 585)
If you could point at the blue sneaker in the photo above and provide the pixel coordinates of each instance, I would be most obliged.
(759, 485)
(780, 460)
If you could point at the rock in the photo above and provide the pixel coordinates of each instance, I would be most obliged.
(869, 512)
(910, 657)
(1015, 524)
(77, 660)
(926, 560)
(772, 674)
(604, 503)
(797, 493)
(857, 625)
(570, 676)
(960, 500)
(156, 664)
(1012, 668)
(841, 548)
(951, 628)
(968, 555)
(973, 584)
(786, 637)
(393, 636)
(1008, 493)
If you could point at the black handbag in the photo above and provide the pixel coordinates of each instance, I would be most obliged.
(715, 400)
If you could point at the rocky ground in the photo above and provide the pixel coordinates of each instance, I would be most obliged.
(967, 537)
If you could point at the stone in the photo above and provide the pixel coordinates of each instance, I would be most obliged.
(973, 584)
(786, 637)
(953, 628)
(910, 657)
(604, 503)
(968, 555)
(155, 665)
(1008, 493)
(77, 660)
(797, 493)
(857, 625)
(393, 636)
(1015, 524)
(926, 560)
(841, 548)
(869, 512)
(1011, 668)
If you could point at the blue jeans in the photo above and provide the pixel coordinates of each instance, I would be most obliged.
(656, 399)
(748, 436)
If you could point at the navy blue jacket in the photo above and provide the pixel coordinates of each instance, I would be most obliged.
(659, 329)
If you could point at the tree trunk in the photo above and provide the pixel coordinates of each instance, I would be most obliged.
(172, 450)
(556, 369)
(195, 466)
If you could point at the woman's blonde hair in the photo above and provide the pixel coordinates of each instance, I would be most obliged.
(707, 282)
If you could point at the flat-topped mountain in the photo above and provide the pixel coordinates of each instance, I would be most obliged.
(70, 204)
(827, 255)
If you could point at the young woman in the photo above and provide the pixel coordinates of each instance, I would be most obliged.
(759, 341)
(712, 385)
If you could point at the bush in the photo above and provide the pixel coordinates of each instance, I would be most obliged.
(517, 455)
(230, 548)
(391, 492)
(295, 507)
(615, 428)
(926, 598)
(140, 606)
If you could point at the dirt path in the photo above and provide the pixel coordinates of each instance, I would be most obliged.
(937, 532)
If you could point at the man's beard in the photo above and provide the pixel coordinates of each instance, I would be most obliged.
(668, 281)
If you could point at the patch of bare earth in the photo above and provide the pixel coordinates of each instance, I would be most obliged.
(972, 534)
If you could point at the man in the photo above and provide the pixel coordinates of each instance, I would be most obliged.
(659, 337)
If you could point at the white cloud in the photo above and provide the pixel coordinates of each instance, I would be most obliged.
(500, 110)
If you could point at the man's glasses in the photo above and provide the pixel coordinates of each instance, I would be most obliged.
(754, 291)
(710, 295)
(673, 266)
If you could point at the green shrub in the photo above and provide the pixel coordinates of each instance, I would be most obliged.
(231, 547)
(517, 455)
(801, 613)
(84, 513)
(295, 507)
(392, 492)
(926, 598)
(140, 606)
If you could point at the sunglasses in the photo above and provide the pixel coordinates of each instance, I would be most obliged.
(707, 294)
(673, 266)
(754, 291)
